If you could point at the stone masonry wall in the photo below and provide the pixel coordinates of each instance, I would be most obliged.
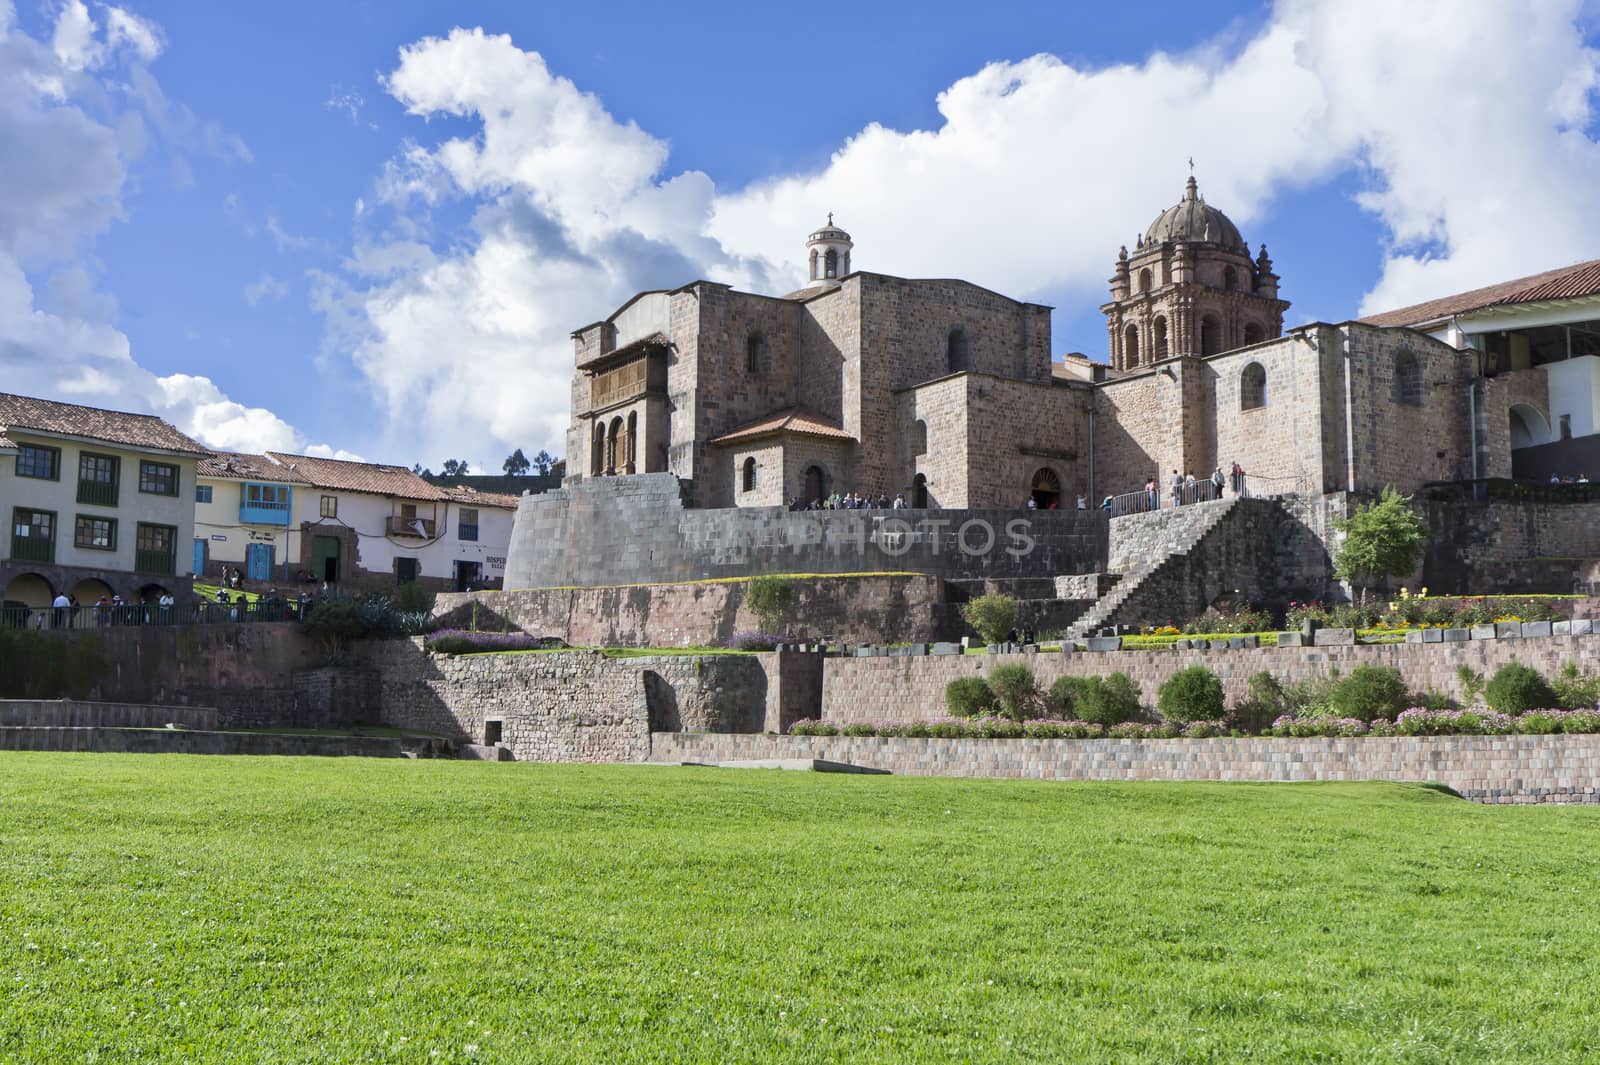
(66, 713)
(1474, 548)
(1495, 769)
(875, 690)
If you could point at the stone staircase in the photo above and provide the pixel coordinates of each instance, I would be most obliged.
(1142, 547)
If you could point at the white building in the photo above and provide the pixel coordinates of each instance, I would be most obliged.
(99, 503)
(291, 519)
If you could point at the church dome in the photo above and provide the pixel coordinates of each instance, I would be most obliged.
(829, 233)
(1192, 219)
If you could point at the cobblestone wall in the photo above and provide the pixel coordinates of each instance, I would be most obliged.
(66, 713)
(873, 690)
(1496, 769)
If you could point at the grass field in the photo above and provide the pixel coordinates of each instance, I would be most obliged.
(175, 909)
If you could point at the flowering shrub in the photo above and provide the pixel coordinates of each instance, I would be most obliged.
(858, 730)
(1200, 730)
(463, 642)
(809, 727)
(1239, 619)
(755, 641)
(1475, 722)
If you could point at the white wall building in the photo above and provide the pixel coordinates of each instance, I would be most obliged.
(100, 503)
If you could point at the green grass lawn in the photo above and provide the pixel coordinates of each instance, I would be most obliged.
(164, 908)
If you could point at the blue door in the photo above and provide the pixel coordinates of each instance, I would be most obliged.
(199, 557)
(258, 562)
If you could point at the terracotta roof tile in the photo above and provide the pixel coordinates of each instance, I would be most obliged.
(359, 477)
(232, 466)
(139, 431)
(471, 497)
(6, 445)
(793, 420)
(1580, 279)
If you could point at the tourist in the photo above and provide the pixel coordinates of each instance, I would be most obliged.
(1083, 503)
(1033, 504)
(1188, 487)
(164, 605)
(61, 604)
(1177, 489)
(1555, 478)
(1217, 481)
(883, 501)
(1152, 493)
(899, 501)
(102, 610)
(1238, 479)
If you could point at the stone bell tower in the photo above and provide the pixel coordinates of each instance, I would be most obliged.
(828, 251)
(1190, 287)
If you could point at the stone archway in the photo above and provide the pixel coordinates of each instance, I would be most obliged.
(1528, 426)
(816, 485)
(1046, 489)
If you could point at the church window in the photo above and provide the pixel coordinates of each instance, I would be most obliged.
(1252, 333)
(831, 264)
(613, 443)
(1407, 380)
(1144, 280)
(1161, 337)
(1253, 387)
(1130, 345)
(816, 485)
(813, 264)
(747, 479)
(630, 448)
(1230, 279)
(597, 453)
(1210, 335)
(919, 437)
(955, 350)
(754, 353)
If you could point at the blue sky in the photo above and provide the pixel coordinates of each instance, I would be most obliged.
(350, 228)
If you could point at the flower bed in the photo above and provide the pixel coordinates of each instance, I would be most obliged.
(467, 642)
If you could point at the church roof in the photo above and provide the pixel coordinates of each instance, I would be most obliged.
(1568, 282)
(794, 420)
(1192, 219)
(653, 340)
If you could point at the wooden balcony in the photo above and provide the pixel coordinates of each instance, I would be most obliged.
(421, 528)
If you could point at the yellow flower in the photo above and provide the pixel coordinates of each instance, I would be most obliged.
(1405, 593)
(1424, 594)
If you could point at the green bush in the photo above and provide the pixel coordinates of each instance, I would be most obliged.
(1574, 690)
(992, 617)
(768, 599)
(1471, 683)
(1015, 690)
(1370, 692)
(1265, 701)
(1515, 689)
(413, 598)
(1192, 694)
(969, 697)
(1109, 701)
(1065, 694)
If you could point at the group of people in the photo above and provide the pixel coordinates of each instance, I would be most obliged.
(67, 613)
(1582, 478)
(850, 501)
(270, 606)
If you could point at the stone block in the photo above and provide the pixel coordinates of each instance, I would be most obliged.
(1104, 643)
(992, 649)
(1561, 628)
(1457, 635)
(946, 648)
(1536, 628)
(1482, 632)
(1244, 642)
(1582, 626)
(1433, 636)
(1219, 645)
(917, 650)
(1334, 638)
(1508, 630)
(1290, 639)
(1414, 637)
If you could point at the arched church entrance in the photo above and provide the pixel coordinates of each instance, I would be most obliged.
(816, 485)
(1046, 489)
(919, 492)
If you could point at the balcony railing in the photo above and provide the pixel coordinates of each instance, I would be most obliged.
(97, 493)
(259, 513)
(398, 525)
(33, 548)
(159, 563)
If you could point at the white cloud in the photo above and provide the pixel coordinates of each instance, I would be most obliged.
(265, 287)
(1037, 171)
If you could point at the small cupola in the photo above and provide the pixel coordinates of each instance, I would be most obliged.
(828, 252)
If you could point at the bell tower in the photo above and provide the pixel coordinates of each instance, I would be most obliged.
(828, 252)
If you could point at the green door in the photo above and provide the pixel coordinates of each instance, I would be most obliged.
(405, 570)
(325, 558)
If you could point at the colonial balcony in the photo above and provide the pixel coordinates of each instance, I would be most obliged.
(156, 563)
(264, 513)
(397, 525)
(97, 493)
(33, 548)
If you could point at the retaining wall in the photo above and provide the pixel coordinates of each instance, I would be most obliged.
(880, 689)
(65, 713)
(1496, 769)
(163, 741)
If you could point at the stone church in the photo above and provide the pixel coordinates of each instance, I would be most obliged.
(947, 393)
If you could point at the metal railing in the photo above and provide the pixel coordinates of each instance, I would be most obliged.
(33, 548)
(96, 616)
(97, 493)
(155, 563)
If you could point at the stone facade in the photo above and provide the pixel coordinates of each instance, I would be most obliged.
(1492, 769)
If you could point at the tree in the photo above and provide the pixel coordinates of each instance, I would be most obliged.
(991, 616)
(516, 464)
(420, 472)
(542, 463)
(455, 467)
(1382, 539)
(768, 599)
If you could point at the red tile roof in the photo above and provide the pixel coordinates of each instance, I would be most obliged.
(471, 497)
(1580, 279)
(359, 477)
(137, 431)
(232, 466)
(654, 340)
(793, 420)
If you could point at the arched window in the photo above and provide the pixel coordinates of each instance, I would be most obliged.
(1130, 345)
(1407, 380)
(597, 452)
(754, 353)
(1253, 387)
(1210, 335)
(630, 449)
(1045, 488)
(813, 264)
(919, 437)
(747, 479)
(955, 350)
(1161, 338)
(1144, 280)
(613, 446)
(831, 264)
(1230, 278)
(1252, 333)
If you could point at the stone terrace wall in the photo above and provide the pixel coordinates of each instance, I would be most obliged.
(1498, 769)
(636, 530)
(1502, 546)
(65, 713)
(883, 608)
(875, 690)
